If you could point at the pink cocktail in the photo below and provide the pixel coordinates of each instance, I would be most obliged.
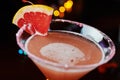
(69, 51)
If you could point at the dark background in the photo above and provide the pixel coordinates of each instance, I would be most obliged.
(102, 14)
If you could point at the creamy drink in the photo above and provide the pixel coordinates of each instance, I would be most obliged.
(64, 50)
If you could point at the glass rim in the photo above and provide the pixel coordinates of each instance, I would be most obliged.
(102, 61)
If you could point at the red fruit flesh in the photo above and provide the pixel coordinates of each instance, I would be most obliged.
(37, 21)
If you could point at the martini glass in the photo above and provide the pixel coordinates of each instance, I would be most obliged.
(57, 71)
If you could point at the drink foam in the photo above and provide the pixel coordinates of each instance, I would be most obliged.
(64, 48)
(62, 53)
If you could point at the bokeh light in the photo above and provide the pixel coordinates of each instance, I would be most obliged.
(21, 52)
(56, 13)
(65, 7)
(61, 15)
(62, 9)
(68, 4)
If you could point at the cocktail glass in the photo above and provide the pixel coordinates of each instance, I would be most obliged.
(56, 71)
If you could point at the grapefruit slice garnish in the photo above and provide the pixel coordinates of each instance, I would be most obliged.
(35, 17)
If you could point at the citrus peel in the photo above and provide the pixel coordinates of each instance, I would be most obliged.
(36, 17)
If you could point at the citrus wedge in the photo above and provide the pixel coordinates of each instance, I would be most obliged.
(35, 17)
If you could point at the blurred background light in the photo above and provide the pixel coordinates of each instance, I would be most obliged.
(62, 9)
(61, 15)
(56, 13)
(21, 52)
(64, 6)
(25, 53)
(68, 4)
